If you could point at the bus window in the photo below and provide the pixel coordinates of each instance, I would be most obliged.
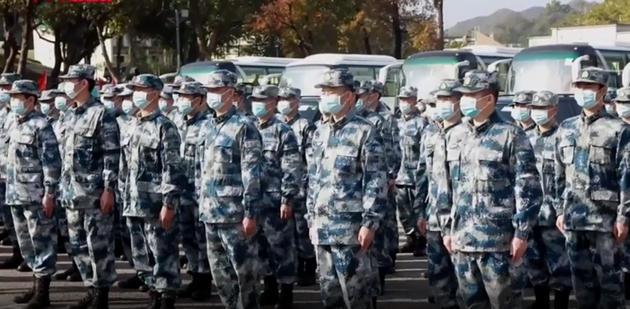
(393, 83)
(363, 73)
(275, 70)
(616, 60)
(254, 74)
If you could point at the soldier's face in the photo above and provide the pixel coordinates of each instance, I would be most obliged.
(28, 101)
(226, 93)
(411, 101)
(599, 90)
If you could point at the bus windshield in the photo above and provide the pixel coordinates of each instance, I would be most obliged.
(198, 72)
(304, 78)
(548, 70)
(427, 73)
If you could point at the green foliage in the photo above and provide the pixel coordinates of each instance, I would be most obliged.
(608, 12)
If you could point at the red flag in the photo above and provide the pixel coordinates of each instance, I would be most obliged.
(42, 81)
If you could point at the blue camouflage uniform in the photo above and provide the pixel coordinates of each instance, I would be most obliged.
(174, 114)
(524, 98)
(230, 191)
(592, 155)
(90, 166)
(347, 191)
(622, 97)
(432, 198)
(154, 183)
(496, 196)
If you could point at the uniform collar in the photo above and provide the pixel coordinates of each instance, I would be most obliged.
(294, 119)
(342, 122)
(26, 117)
(224, 117)
(151, 116)
(197, 116)
(268, 122)
(81, 109)
(548, 132)
(494, 117)
(590, 119)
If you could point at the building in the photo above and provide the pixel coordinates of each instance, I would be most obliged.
(606, 35)
(474, 37)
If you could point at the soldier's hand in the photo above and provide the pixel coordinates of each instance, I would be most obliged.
(560, 223)
(366, 236)
(422, 226)
(48, 202)
(166, 217)
(286, 212)
(621, 232)
(447, 240)
(517, 249)
(249, 227)
(107, 201)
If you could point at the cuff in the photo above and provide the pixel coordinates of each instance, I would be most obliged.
(370, 224)
(521, 234)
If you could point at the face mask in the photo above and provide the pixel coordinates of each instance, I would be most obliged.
(330, 104)
(140, 99)
(4, 98)
(433, 115)
(17, 106)
(284, 107)
(61, 103)
(110, 106)
(69, 89)
(610, 109)
(44, 108)
(446, 109)
(184, 106)
(520, 114)
(214, 100)
(405, 108)
(623, 110)
(163, 105)
(127, 107)
(540, 116)
(94, 93)
(359, 105)
(259, 109)
(469, 107)
(586, 98)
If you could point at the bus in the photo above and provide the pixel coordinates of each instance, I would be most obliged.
(200, 71)
(255, 68)
(306, 73)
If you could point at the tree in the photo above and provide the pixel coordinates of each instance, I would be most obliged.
(438, 5)
(608, 12)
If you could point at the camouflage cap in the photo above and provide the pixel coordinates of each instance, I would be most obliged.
(377, 87)
(24, 86)
(623, 95)
(104, 88)
(179, 79)
(7, 79)
(448, 88)
(366, 86)
(479, 80)
(408, 92)
(265, 92)
(167, 92)
(592, 75)
(523, 97)
(337, 78)
(544, 98)
(126, 91)
(431, 98)
(111, 92)
(194, 88)
(48, 95)
(290, 93)
(221, 78)
(81, 71)
(146, 81)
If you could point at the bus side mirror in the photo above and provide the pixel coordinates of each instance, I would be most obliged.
(576, 65)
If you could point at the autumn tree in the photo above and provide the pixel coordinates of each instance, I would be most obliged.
(438, 6)
(608, 12)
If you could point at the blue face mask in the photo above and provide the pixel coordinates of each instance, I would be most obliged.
(214, 100)
(110, 107)
(330, 104)
(540, 116)
(163, 105)
(184, 106)
(586, 98)
(45, 108)
(434, 115)
(61, 103)
(469, 107)
(70, 90)
(359, 105)
(140, 99)
(127, 107)
(520, 114)
(610, 109)
(445, 109)
(4, 98)
(405, 108)
(623, 110)
(259, 109)
(17, 106)
(94, 93)
(284, 107)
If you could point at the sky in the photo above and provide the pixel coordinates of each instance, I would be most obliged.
(460, 10)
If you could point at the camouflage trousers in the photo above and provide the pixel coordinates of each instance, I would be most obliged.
(7, 217)
(489, 280)
(62, 227)
(121, 231)
(37, 237)
(596, 269)
(345, 276)
(546, 260)
(193, 237)
(442, 278)
(305, 249)
(405, 196)
(149, 238)
(234, 264)
(92, 241)
(277, 245)
(390, 225)
(380, 248)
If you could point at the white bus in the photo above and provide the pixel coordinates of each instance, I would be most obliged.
(255, 68)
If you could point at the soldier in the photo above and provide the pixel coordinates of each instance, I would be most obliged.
(179, 79)
(167, 104)
(622, 108)
(230, 195)
(347, 196)
(609, 102)
(239, 101)
(62, 103)
(89, 176)
(495, 198)
(33, 171)
(591, 158)
(429, 111)
(432, 188)
(7, 121)
(521, 113)
(154, 188)
(112, 101)
(192, 104)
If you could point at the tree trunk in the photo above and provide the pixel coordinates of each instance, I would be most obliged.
(193, 51)
(201, 35)
(108, 62)
(396, 30)
(54, 75)
(10, 45)
(439, 10)
(119, 43)
(27, 28)
(367, 48)
(131, 51)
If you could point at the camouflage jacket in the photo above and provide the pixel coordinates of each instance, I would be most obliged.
(393, 163)
(192, 154)
(7, 122)
(544, 147)
(411, 132)
(303, 130)
(127, 125)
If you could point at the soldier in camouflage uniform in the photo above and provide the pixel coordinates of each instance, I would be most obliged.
(167, 104)
(88, 183)
(111, 100)
(154, 188)
(33, 171)
(239, 101)
(230, 195)
(609, 102)
(433, 188)
(347, 196)
(496, 197)
(192, 105)
(7, 121)
(283, 169)
(126, 106)
(303, 130)
(430, 103)
(622, 109)
(591, 155)
(521, 113)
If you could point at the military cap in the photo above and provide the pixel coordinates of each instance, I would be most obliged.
(623, 95)
(167, 91)
(523, 97)
(179, 79)
(366, 86)
(378, 87)
(337, 78)
(240, 89)
(104, 88)
(265, 92)
(146, 81)
(408, 92)
(112, 91)
(478, 80)
(431, 98)
(24, 86)
(48, 95)
(195, 88)
(81, 71)
(592, 75)
(126, 91)
(7, 79)
(221, 78)
(544, 98)
(289, 93)
(448, 88)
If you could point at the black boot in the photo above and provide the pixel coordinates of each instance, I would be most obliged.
(86, 301)
(183, 260)
(6, 242)
(61, 244)
(626, 281)
(561, 299)
(301, 271)
(381, 277)
(24, 268)
(4, 234)
(167, 301)
(310, 267)
(27, 296)
(374, 302)
(204, 289)
(542, 298)
(41, 297)
(431, 299)
(269, 295)
(410, 245)
(286, 297)
(100, 299)
(64, 274)
(132, 283)
(421, 247)
(155, 300)
(190, 288)
(74, 276)
(14, 261)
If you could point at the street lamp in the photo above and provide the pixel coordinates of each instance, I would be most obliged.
(184, 14)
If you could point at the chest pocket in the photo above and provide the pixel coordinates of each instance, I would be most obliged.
(149, 154)
(411, 148)
(567, 151)
(602, 153)
(85, 144)
(346, 163)
(222, 151)
(270, 151)
(491, 171)
(452, 159)
(547, 163)
(26, 147)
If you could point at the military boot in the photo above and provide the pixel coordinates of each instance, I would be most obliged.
(6, 242)
(66, 273)
(204, 289)
(410, 245)
(542, 298)
(188, 289)
(381, 277)
(269, 295)
(286, 297)
(626, 280)
(421, 247)
(4, 234)
(100, 299)
(310, 269)
(28, 295)
(155, 300)
(41, 297)
(167, 301)
(24, 268)
(561, 299)
(14, 261)
(300, 272)
(183, 261)
(133, 283)
(431, 300)
(86, 301)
